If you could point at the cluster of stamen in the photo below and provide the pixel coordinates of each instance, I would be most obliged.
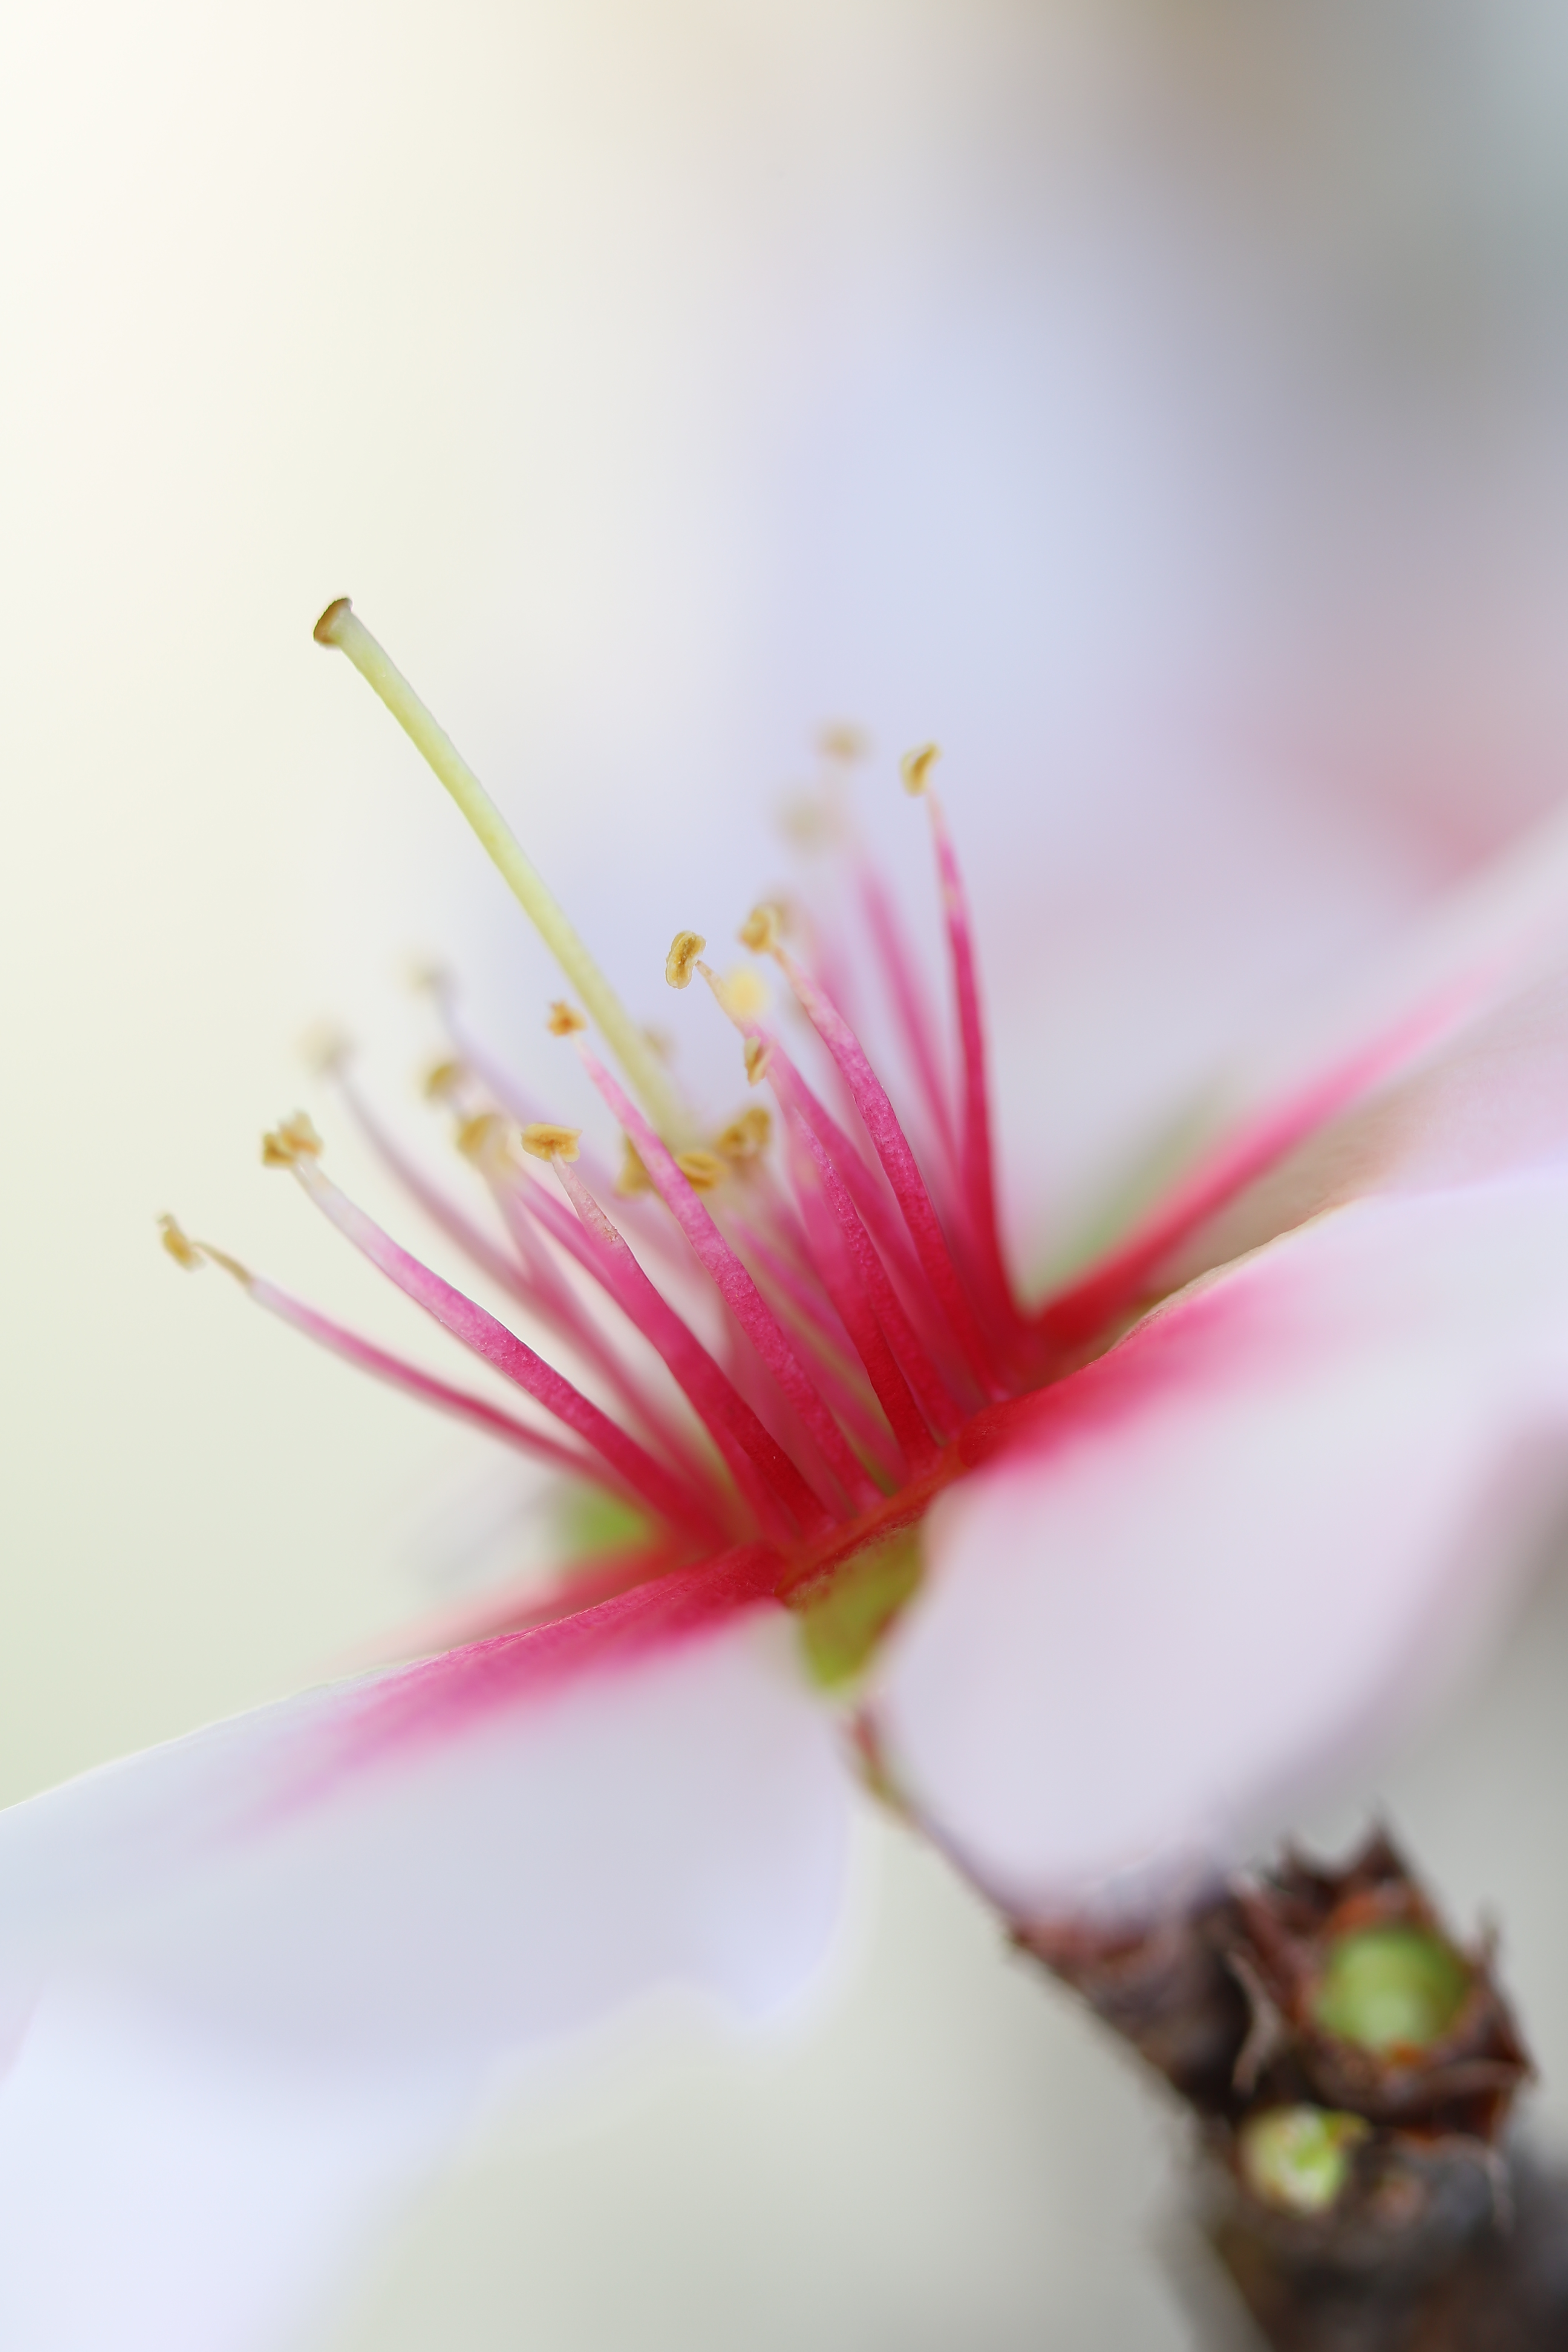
(830, 1308)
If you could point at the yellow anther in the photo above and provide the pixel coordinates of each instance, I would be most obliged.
(563, 1020)
(293, 1139)
(701, 1170)
(543, 1142)
(759, 931)
(325, 1048)
(484, 1136)
(759, 1053)
(684, 949)
(443, 1079)
(181, 1248)
(194, 1255)
(811, 822)
(634, 1177)
(844, 742)
(746, 1138)
(915, 768)
(745, 992)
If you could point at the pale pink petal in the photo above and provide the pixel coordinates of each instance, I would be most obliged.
(361, 1899)
(1452, 1066)
(1248, 1540)
(164, 2193)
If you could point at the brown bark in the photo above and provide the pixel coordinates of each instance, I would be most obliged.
(1435, 2233)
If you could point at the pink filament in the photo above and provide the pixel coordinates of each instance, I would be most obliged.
(910, 1010)
(489, 1340)
(979, 1171)
(521, 1107)
(842, 1273)
(835, 1366)
(460, 1403)
(915, 1365)
(443, 1213)
(737, 1289)
(866, 1188)
(535, 1283)
(523, 1202)
(892, 1149)
(760, 1465)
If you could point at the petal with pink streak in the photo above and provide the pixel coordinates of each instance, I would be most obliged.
(356, 1903)
(1453, 1064)
(1239, 1548)
(1447, 1065)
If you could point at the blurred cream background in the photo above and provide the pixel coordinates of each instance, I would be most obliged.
(1161, 402)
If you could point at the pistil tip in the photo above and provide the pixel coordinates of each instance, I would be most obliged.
(684, 951)
(326, 629)
(915, 768)
(543, 1142)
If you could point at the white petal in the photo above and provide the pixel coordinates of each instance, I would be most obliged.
(162, 2193)
(1250, 1539)
(1483, 1088)
(360, 1899)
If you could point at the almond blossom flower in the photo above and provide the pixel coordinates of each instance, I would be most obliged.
(1091, 1587)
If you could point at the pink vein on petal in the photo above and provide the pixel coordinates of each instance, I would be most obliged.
(440, 1698)
(1119, 1282)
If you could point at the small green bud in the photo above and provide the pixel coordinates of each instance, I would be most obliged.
(1387, 1988)
(1300, 2159)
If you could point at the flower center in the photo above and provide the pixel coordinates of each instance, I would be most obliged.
(789, 1329)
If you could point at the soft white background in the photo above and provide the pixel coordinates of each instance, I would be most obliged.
(1159, 413)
